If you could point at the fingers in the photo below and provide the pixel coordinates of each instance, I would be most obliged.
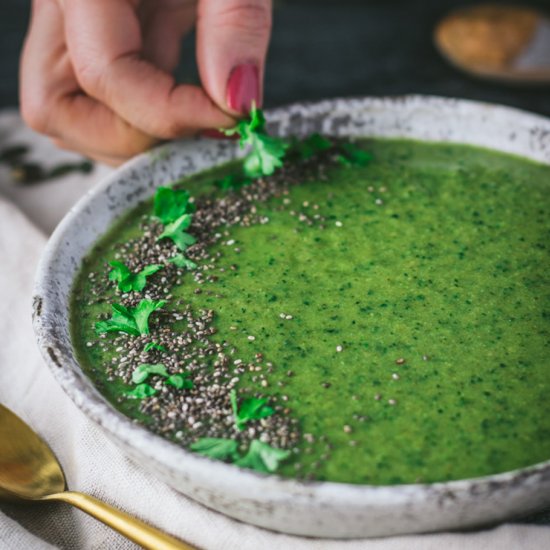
(105, 43)
(40, 68)
(94, 129)
(232, 41)
(52, 103)
(97, 157)
(164, 23)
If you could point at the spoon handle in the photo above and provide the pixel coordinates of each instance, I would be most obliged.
(132, 528)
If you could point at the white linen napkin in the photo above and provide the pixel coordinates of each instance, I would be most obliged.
(91, 462)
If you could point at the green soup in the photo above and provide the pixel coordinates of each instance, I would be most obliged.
(395, 317)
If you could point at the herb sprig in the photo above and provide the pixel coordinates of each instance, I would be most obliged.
(260, 456)
(142, 391)
(216, 447)
(176, 231)
(131, 320)
(266, 152)
(180, 260)
(128, 281)
(250, 409)
(142, 372)
(174, 209)
(170, 204)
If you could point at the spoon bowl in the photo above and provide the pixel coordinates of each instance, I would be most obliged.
(29, 471)
(28, 468)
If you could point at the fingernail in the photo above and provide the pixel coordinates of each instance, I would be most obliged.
(243, 88)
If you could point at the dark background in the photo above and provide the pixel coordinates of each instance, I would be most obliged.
(331, 48)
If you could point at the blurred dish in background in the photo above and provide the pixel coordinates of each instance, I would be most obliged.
(504, 43)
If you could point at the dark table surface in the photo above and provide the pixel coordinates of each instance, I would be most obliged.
(331, 48)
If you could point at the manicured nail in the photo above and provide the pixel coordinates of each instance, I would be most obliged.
(243, 88)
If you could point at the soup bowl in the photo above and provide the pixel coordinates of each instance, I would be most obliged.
(322, 509)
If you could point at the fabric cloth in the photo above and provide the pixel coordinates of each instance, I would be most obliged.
(91, 462)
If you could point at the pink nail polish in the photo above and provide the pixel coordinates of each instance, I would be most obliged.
(243, 88)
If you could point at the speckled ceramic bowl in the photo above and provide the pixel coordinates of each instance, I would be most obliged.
(315, 509)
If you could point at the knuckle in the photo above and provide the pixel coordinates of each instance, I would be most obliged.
(87, 74)
(131, 142)
(92, 71)
(170, 130)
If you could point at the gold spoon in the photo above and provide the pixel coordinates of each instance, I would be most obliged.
(509, 44)
(30, 471)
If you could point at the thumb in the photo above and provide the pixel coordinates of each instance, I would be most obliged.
(232, 40)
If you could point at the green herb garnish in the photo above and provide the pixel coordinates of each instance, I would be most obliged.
(262, 457)
(266, 152)
(153, 345)
(216, 447)
(171, 204)
(143, 371)
(310, 146)
(181, 261)
(250, 409)
(142, 391)
(131, 320)
(176, 232)
(128, 281)
(180, 381)
(352, 155)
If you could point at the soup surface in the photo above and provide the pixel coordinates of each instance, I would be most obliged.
(381, 323)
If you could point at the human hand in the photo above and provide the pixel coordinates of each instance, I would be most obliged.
(96, 75)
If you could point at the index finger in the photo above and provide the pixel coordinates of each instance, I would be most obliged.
(105, 45)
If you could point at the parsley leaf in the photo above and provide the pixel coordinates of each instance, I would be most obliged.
(353, 155)
(142, 372)
(181, 261)
(171, 204)
(262, 457)
(176, 232)
(250, 409)
(266, 155)
(310, 146)
(127, 280)
(141, 391)
(153, 345)
(266, 152)
(180, 381)
(132, 320)
(122, 320)
(216, 447)
(143, 311)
